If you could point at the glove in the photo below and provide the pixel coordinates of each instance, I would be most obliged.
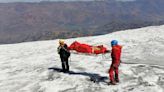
(115, 65)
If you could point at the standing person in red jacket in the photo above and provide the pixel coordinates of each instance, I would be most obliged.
(115, 55)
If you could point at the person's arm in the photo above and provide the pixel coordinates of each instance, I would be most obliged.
(113, 54)
(58, 49)
(66, 48)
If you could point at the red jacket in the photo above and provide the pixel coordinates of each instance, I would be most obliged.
(116, 54)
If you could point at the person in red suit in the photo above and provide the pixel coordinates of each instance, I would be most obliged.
(115, 55)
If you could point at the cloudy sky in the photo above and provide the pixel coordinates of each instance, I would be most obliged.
(49, 0)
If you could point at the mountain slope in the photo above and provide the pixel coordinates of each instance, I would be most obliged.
(24, 66)
(21, 22)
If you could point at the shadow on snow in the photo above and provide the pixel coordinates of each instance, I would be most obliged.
(94, 77)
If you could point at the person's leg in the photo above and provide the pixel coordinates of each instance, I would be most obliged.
(63, 64)
(111, 70)
(67, 65)
(116, 74)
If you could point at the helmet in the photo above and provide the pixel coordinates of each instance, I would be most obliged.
(114, 42)
(61, 41)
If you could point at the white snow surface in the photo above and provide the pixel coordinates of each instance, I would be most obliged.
(24, 66)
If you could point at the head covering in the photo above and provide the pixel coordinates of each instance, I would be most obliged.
(114, 42)
(61, 41)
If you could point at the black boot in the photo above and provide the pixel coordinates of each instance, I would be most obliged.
(116, 78)
(112, 83)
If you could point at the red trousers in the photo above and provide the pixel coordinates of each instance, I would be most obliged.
(113, 70)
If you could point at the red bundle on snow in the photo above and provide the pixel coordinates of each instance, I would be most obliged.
(85, 48)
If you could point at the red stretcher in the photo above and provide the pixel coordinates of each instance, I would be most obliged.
(88, 49)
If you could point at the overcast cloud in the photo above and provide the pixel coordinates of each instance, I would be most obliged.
(5, 1)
